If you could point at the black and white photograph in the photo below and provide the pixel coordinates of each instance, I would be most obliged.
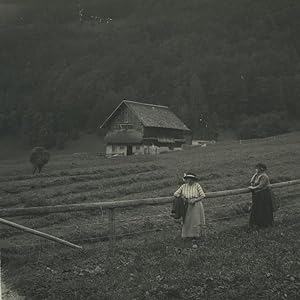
(149, 149)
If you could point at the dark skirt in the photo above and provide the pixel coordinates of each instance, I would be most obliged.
(262, 209)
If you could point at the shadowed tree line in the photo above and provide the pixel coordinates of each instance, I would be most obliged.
(217, 64)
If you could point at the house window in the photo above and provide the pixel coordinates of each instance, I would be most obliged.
(137, 148)
(126, 126)
(114, 148)
(122, 148)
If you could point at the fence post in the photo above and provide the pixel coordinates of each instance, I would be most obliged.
(112, 230)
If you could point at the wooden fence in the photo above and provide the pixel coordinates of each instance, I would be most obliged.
(111, 206)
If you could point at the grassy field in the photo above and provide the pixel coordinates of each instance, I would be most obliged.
(230, 263)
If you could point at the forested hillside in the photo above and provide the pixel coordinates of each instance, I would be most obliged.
(65, 64)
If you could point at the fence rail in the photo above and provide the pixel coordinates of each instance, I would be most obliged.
(111, 206)
(12, 212)
(39, 233)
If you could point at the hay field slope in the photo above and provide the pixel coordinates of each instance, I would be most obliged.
(230, 263)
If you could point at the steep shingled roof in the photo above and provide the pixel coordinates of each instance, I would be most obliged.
(152, 115)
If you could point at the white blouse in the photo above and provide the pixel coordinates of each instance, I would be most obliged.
(190, 191)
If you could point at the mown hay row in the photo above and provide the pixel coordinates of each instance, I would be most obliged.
(16, 187)
(84, 170)
(108, 194)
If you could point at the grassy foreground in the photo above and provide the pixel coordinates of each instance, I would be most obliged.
(230, 263)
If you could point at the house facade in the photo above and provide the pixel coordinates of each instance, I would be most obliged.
(139, 128)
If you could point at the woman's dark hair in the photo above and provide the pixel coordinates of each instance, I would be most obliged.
(261, 166)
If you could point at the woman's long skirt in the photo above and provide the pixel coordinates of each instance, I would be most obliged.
(194, 221)
(262, 210)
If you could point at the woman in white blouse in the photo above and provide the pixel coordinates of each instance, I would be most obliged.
(192, 193)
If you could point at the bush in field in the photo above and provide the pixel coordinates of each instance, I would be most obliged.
(39, 157)
(263, 125)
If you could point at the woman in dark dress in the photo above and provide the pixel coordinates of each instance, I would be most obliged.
(262, 209)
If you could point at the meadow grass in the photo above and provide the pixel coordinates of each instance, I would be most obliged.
(231, 263)
(228, 264)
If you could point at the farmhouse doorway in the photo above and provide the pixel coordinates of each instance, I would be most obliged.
(129, 150)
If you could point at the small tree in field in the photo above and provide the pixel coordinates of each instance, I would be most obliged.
(39, 157)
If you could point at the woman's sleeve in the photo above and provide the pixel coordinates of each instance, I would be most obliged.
(200, 190)
(253, 178)
(178, 193)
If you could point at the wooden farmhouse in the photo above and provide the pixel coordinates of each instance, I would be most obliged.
(139, 128)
